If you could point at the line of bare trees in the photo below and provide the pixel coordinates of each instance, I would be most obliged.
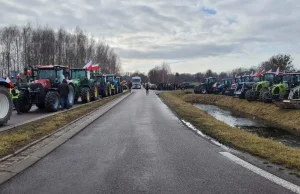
(24, 46)
(163, 74)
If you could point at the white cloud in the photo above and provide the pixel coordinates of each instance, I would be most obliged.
(216, 34)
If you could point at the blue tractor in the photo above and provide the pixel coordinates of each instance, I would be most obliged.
(6, 104)
(221, 88)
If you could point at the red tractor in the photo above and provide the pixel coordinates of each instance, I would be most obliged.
(43, 90)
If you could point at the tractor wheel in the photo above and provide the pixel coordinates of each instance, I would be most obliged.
(76, 98)
(40, 105)
(203, 90)
(52, 101)
(223, 91)
(6, 105)
(85, 95)
(248, 96)
(24, 104)
(262, 91)
(242, 95)
(283, 95)
(94, 94)
(103, 93)
(266, 97)
(71, 96)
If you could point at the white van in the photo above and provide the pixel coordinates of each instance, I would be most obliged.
(136, 82)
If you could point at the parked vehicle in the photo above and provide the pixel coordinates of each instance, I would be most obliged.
(187, 85)
(245, 84)
(259, 88)
(230, 90)
(5, 102)
(221, 88)
(43, 91)
(104, 87)
(153, 87)
(136, 82)
(206, 87)
(85, 87)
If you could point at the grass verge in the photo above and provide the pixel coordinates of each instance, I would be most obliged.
(232, 136)
(14, 139)
(287, 119)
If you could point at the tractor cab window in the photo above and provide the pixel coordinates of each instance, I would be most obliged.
(60, 76)
(47, 74)
(256, 79)
(110, 79)
(227, 81)
(237, 80)
(78, 74)
(212, 80)
(286, 78)
(277, 79)
(269, 77)
(246, 79)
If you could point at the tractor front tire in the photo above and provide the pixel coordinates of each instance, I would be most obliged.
(6, 105)
(248, 96)
(85, 95)
(266, 97)
(24, 104)
(71, 96)
(52, 101)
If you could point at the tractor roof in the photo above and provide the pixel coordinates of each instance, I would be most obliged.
(78, 69)
(50, 66)
(228, 78)
(245, 75)
(291, 73)
(110, 74)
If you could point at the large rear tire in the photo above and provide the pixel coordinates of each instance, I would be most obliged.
(94, 94)
(52, 101)
(6, 105)
(266, 97)
(24, 104)
(85, 95)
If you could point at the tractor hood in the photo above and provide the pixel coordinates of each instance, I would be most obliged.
(75, 81)
(45, 82)
(221, 86)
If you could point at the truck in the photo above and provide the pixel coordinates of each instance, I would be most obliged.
(136, 82)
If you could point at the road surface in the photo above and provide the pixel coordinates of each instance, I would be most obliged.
(139, 146)
(33, 113)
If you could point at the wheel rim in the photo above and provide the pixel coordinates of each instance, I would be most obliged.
(96, 92)
(88, 96)
(4, 105)
(56, 102)
(71, 95)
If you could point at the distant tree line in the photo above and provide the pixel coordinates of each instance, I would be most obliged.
(24, 46)
(163, 74)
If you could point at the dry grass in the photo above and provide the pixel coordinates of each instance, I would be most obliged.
(14, 139)
(231, 136)
(284, 118)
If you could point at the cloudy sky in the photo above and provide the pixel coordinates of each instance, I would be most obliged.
(191, 36)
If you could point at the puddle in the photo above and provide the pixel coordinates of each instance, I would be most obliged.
(251, 125)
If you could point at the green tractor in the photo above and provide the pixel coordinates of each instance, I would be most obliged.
(259, 89)
(206, 87)
(104, 87)
(85, 87)
(290, 99)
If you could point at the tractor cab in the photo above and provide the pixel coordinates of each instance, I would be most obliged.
(78, 73)
(206, 86)
(50, 76)
(221, 88)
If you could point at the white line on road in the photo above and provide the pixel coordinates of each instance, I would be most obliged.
(269, 176)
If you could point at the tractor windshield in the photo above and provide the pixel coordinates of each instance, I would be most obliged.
(246, 79)
(255, 79)
(227, 81)
(110, 78)
(269, 77)
(286, 78)
(78, 74)
(47, 74)
(212, 80)
(237, 80)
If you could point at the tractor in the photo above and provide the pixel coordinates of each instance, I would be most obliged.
(113, 83)
(43, 91)
(85, 87)
(230, 90)
(221, 88)
(245, 84)
(6, 104)
(291, 97)
(257, 92)
(206, 87)
(103, 86)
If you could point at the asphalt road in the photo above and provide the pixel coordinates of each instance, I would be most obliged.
(33, 113)
(139, 146)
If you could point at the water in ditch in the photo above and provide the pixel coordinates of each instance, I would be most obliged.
(251, 125)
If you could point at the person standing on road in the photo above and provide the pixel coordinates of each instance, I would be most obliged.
(129, 86)
(14, 92)
(147, 88)
(63, 90)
